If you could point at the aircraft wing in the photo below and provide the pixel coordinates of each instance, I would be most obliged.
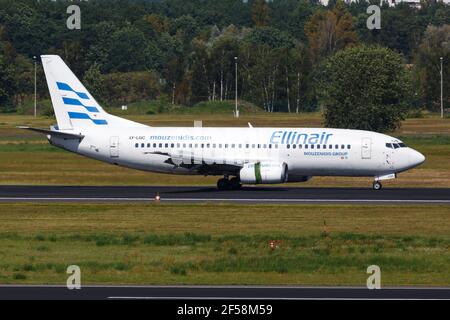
(201, 164)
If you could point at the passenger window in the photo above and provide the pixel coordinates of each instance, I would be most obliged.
(318, 146)
(172, 145)
(342, 147)
(294, 146)
(167, 145)
(336, 147)
(306, 146)
(324, 146)
(288, 146)
(143, 145)
(160, 145)
(312, 146)
(137, 145)
(349, 147)
(300, 146)
(148, 145)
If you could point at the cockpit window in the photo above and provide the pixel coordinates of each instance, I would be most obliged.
(396, 145)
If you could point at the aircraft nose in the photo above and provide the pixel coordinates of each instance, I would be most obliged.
(416, 158)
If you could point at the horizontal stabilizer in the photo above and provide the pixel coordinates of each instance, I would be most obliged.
(56, 134)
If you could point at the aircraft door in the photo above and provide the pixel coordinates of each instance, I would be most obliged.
(366, 148)
(114, 147)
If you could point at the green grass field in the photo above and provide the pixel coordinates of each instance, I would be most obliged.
(27, 158)
(224, 244)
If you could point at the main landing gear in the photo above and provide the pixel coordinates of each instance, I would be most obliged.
(229, 184)
(377, 185)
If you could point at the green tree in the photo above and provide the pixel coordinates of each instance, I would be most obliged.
(260, 13)
(23, 77)
(94, 82)
(330, 31)
(128, 87)
(6, 85)
(435, 44)
(364, 88)
(128, 51)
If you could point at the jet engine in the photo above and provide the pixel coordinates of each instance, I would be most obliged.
(264, 173)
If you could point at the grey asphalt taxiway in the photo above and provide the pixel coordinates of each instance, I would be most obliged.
(252, 195)
(218, 293)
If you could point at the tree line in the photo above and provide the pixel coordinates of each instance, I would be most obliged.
(134, 50)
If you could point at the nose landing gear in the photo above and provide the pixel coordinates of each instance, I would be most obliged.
(231, 184)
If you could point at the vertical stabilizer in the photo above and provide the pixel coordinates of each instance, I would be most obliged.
(74, 106)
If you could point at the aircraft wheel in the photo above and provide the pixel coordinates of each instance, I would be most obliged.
(377, 185)
(223, 184)
(235, 183)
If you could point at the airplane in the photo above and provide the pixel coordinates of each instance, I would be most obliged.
(239, 156)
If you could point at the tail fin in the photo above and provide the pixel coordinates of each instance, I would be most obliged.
(74, 106)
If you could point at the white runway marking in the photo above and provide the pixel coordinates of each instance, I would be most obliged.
(231, 200)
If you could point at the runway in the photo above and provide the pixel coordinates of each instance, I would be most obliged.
(251, 195)
(219, 293)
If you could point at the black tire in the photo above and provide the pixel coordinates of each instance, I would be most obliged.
(235, 183)
(377, 186)
(223, 184)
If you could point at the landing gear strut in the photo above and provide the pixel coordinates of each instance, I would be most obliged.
(377, 185)
(232, 184)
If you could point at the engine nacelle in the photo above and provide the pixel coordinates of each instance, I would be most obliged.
(264, 173)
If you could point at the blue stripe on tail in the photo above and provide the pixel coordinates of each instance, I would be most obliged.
(85, 116)
(65, 87)
(75, 102)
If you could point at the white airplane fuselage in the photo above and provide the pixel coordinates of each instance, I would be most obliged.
(305, 151)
